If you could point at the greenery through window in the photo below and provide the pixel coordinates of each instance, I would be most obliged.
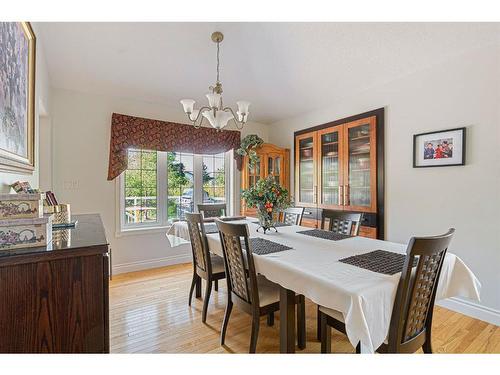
(140, 187)
(180, 184)
(160, 187)
(214, 182)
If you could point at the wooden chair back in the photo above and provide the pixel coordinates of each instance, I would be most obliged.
(414, 303)
(199, 245)
(293, 215)
(342, 222)
(212, 210)
(241, 284)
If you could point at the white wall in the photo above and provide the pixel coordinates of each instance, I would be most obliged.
(42, 109)
(81, 125)
(464, 91)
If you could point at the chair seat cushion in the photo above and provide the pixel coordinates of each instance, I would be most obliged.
(217, 264)
(269, 292)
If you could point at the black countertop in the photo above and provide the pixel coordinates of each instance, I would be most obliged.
(88, 232)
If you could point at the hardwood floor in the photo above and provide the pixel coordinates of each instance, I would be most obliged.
(149, 314)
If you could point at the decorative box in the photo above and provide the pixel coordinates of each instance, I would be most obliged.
(21, 206)
(61, 213)
(19, 233)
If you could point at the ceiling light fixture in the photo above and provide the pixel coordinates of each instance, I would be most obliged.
(217, 115)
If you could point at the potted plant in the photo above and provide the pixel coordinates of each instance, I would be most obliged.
(269, 197)
(248, 146)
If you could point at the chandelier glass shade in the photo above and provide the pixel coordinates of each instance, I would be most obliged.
(215, 113)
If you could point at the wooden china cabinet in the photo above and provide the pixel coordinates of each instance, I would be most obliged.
(339, 166)
(273, 160)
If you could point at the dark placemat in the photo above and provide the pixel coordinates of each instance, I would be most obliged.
(211, 228)
(277, 225)
(261, 246)
(325, 234)
(379, 261)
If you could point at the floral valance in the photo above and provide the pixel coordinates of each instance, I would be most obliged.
(136, 132)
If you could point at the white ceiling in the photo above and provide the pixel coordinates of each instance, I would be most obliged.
(284, 69)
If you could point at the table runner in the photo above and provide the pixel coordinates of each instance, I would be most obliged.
(364, 298)
(380, 261)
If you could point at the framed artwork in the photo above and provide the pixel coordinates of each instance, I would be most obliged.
(439, 149)
(17, 97)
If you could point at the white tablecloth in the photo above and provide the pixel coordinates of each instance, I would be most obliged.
(365, 298)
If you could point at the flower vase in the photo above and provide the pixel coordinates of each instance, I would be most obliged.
(267, 219)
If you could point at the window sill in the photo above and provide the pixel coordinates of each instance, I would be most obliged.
(141, 231)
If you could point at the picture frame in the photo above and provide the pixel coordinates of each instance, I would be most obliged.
(17, 97)
(442, 148)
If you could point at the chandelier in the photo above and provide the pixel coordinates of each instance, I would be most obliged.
(217, 115)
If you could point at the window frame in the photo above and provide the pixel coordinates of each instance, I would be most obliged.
(162, 221)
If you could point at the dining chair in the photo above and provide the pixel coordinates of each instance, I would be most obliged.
(205, 266)
(411, 320)
(253, 293)
(293, 215)
(342, 222)
(210, 210)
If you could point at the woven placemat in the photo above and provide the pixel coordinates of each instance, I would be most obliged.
(261, 246)
(379, 261)
(325, 234)
(211, 228)
(276, 225)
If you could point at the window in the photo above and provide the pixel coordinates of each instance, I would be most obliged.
(214, 179)
(140, 187)
(160, 187)
(180, 185)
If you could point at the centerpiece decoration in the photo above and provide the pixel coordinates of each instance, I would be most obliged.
(269, 197)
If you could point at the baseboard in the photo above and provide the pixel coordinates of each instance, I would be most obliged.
(472, 309)
(151, 263)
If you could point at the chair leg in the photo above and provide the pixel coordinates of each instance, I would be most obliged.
(229, 307)
(358, 348)
(197, 293)
(193, 283)
(216, 285)
(206, 300)
(326, 334)
(318, 324)
(270, 319)
(255, 333)
(301, 322)
(427, 347)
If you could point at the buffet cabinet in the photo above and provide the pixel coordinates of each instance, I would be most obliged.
(274, 161)
(54, 299)
(339, 166)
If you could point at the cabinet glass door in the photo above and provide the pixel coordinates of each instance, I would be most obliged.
(306, 175)
(329, 174)
(274, 167)
(361, 181)
(254, 173)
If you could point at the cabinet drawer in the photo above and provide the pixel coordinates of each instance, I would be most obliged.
(368, 232)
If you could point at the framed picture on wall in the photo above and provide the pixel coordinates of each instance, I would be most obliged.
(17, 97)
(439, 148)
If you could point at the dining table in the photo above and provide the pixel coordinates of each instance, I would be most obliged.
(312, 267)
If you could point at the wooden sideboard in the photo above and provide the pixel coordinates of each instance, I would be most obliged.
(340, 166)
(55, 299)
